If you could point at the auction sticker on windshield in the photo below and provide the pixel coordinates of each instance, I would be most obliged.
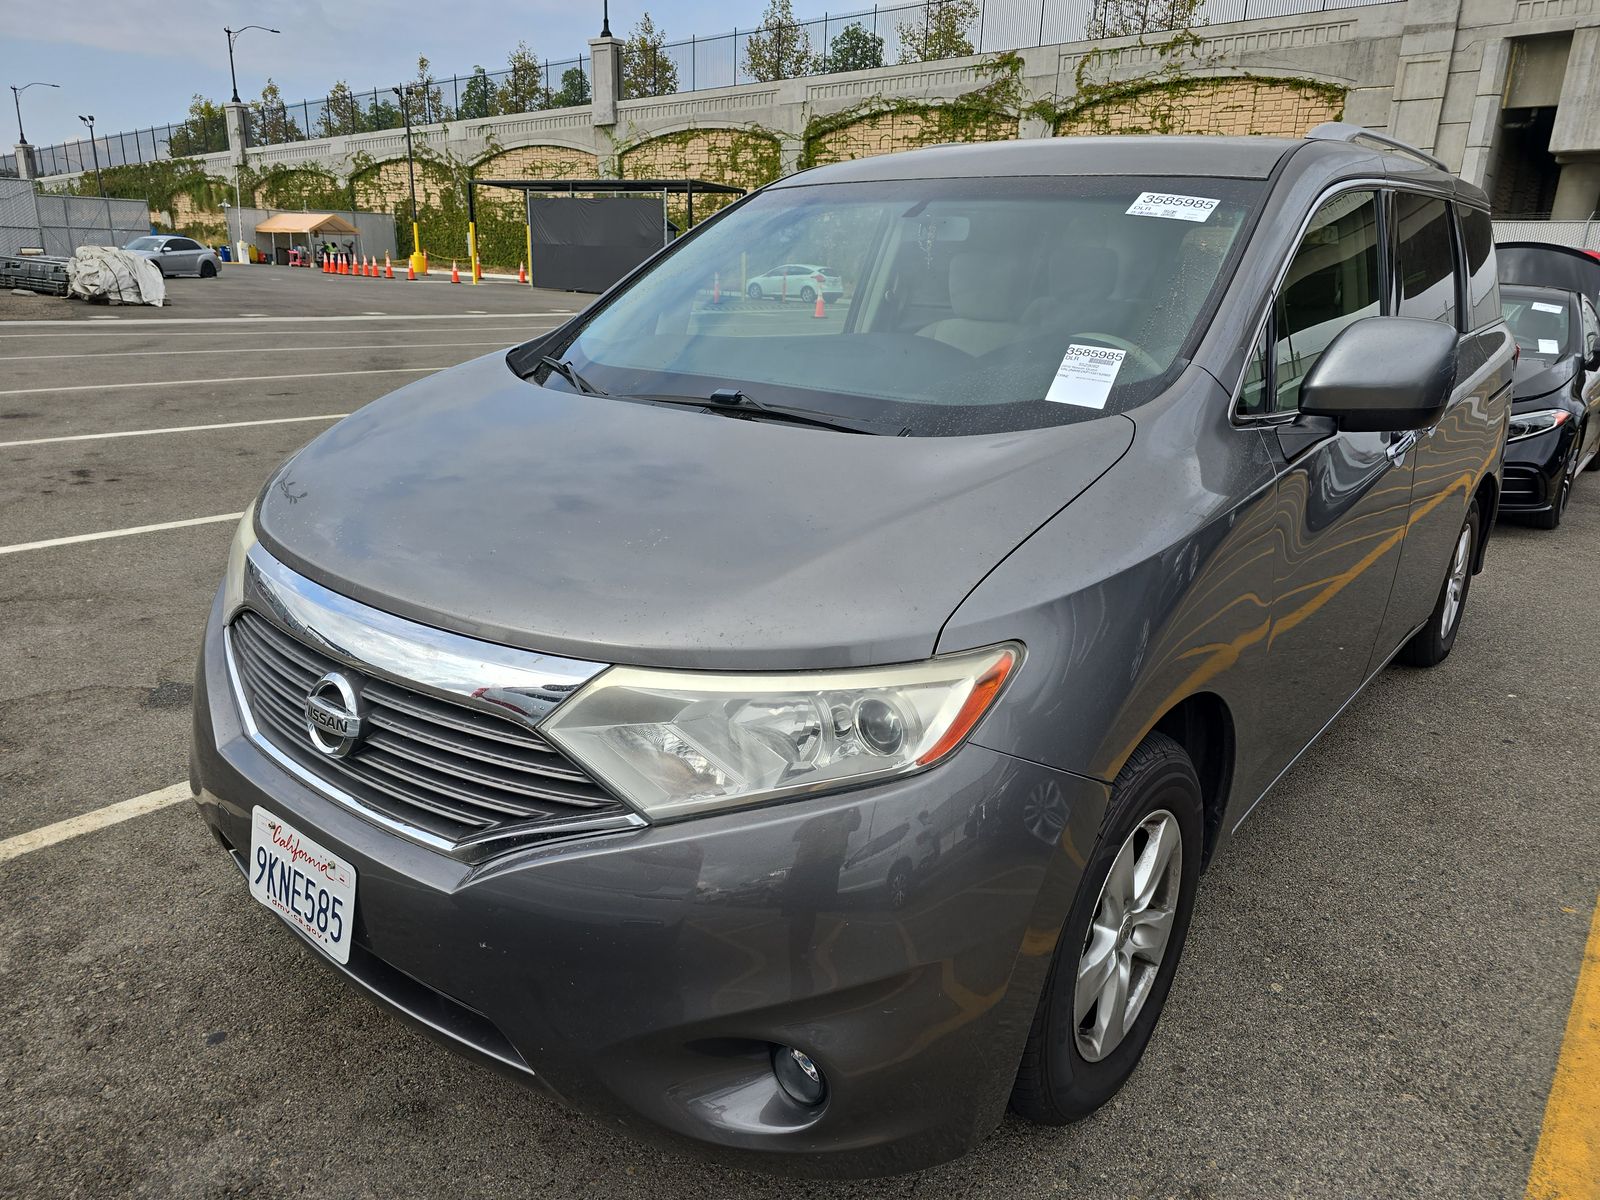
(1085, 376)
(1171, 207)
(309, 887)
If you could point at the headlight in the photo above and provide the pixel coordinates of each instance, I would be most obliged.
(675, 743)
(1532, 424)
(233, 582)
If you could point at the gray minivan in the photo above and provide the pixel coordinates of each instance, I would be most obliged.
(800, 733)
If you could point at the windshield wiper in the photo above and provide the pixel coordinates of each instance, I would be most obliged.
(568, 372)
(734, 403)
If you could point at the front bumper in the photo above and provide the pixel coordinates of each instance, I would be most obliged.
(1533, 468)
(899, 935)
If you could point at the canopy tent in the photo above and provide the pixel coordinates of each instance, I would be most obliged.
(589, 251)
(311, 224)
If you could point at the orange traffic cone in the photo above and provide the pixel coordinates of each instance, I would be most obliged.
(388, 268)
(819, 312)
(372, 268)
(522, 273)
(455, 275)
(344, 265)
(411, 271)
(322, 261)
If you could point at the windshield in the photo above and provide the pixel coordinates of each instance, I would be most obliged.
(1538, 320)
(944, 306)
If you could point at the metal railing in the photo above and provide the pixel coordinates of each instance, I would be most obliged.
(183, 140)
(860, 39)
(550, 84)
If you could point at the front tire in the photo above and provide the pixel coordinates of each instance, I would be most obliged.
(1119, 949)
(808, 294)
(1551, 518)
(1431, 644)
(208, 270)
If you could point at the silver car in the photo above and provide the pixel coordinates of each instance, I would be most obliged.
(176, 255)
(796, 281)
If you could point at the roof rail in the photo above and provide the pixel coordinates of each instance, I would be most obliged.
(1339, 131)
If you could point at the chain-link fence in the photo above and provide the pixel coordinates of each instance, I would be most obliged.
(547, 84)
(8, 166)
(60, 224)
(1581, 235)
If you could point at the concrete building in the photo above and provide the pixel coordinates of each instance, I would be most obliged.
(1507, 92)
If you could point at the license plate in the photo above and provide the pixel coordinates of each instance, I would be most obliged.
(309, 887)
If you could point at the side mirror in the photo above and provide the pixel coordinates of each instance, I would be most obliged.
(1383, 374)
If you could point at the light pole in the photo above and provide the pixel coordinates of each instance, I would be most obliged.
(605, 18)
(16, 98)
(99, 183)
(419, 261)
(233, 36)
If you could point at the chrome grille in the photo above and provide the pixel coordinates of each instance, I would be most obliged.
(452, 771)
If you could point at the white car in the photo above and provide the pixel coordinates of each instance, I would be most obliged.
(796, 281)
(176, 255)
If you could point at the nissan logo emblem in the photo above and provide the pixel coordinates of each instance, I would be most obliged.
(335, 715)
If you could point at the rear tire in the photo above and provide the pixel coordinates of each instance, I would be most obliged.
(1072, 1064)
(753, 291)
(1431, 644)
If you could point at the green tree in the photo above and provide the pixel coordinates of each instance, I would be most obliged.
(382, 112)
(574, 90)
(779, 49)
(1123, 18)
(856, 48)
(647, 69)
(270, 123)
(941, 31)
(520, 92)
(425, 97)
(478, 97)
(205, 130)
(341, 113)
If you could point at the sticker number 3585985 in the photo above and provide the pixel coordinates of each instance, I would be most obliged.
(1171, 207)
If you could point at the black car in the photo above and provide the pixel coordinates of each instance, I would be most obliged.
(1555, 412)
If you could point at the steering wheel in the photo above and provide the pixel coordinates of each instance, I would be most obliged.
(1134, 352)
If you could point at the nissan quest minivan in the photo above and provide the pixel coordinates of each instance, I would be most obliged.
(798, 732)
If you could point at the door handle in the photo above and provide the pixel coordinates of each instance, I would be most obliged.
(1396, 450)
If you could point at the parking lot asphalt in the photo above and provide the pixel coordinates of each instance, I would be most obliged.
(1372, 1000)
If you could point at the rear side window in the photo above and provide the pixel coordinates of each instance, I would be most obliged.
(1425, 258)
(1483, 292)
(1333, 280)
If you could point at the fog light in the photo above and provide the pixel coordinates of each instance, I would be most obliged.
(798, 1075)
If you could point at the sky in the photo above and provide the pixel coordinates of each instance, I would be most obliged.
(135, 63)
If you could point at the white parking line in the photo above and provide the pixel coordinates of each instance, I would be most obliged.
(117, 533)
(239, 350)
(158, 322)
(511, 323)
(101, 387)
(91, 437)
(111, 814)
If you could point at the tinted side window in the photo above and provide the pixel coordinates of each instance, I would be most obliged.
(1425, 258)
(1333, 280)
(1483, 292)
(183, 244)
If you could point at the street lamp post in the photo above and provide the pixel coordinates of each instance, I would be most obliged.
(16, 98)
(419, 260)
(233, 36)
(100, 184)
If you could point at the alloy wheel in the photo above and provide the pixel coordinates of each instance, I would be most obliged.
(1128, 935)
(1456, 586)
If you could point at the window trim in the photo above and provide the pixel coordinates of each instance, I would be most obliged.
(1381, 188)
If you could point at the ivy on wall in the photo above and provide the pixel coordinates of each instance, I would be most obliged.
(747, 158)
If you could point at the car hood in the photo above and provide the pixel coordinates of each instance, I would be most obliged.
(1536, 376)
(622, 532)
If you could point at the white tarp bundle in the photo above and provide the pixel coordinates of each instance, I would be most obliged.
(117, 276)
